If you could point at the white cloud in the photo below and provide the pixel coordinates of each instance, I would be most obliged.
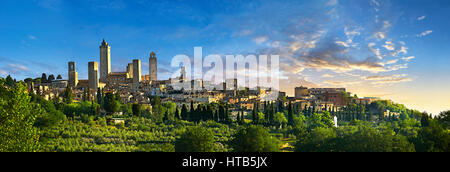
(392, 61)
(380, 35)
(344, 44)
(389, 46)
(375, 50)
(425, 33)
(408, 58)
(261, 39)
(421, 18)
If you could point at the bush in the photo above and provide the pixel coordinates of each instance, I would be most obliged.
(195, 139)
(254, 139)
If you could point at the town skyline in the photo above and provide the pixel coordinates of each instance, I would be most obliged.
(397, 66)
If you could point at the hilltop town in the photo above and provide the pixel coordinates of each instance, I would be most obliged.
(134, 87)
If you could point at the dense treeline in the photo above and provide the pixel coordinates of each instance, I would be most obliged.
(30, 123)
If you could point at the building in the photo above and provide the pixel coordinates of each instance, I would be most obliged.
(93, 75)
(301, 92)
(337, 98)
(73, 75)
(105, 61)
(319, 91)
(130, 70)
(136, 74)
(137, 71)
(153, 67)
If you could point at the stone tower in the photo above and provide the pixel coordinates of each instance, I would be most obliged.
(93, 75)
(105, 61)
(136, 71)
(73, 75)
(153, 67)
(130, 70)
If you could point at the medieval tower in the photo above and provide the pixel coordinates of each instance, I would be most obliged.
(105, 61)
(153, 68)
(93, 75)
(73, 75)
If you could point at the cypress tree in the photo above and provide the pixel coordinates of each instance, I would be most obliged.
(290, 114)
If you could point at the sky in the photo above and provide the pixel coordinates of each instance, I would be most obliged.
(393, 49)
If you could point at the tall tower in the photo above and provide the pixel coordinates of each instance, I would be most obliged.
(73, 75)
(105, 61)
(130, 70)
(153, 67)
(136, 71)
(93, 75)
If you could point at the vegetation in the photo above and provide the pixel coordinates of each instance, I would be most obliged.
(29, 123)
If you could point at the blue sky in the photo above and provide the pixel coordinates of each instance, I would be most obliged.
(395, 49)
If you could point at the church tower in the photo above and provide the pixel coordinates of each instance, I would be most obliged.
(153, 67)
(105, 61)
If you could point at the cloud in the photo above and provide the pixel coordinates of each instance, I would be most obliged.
(327, 76)
(261, 39)
(341, 83)
(333, 57)
(375, 50)
(344, 44)
(332, 2)
(392, 61)
(388, 79)
(408, 58)
(425, 33)
(13, 69)
(32, 37)
(389, 46)
(421, 18)
(402, 49)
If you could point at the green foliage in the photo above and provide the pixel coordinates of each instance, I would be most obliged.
(110, 103)
(17, 116)
(254, 139)
(360, 137)
(136, 109)
(195, 139)
(280, 119)
(432, 138)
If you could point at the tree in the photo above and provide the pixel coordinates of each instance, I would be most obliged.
(10, 81)
(444, 119)
(111, 105)
(177, 113)
(67, 95)
(44, 78)
(136, 108)
(17, 116)
(280, 119)
(59, 77)
(51, 78)
(432, 138)
(254, 139)
(196, 139)
(184, 113)
(99, 96)
(290, 114)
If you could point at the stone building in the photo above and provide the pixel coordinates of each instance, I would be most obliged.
(73, 75)
(105, 61)
(153, 67)
(93, 75)
(301, 92)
